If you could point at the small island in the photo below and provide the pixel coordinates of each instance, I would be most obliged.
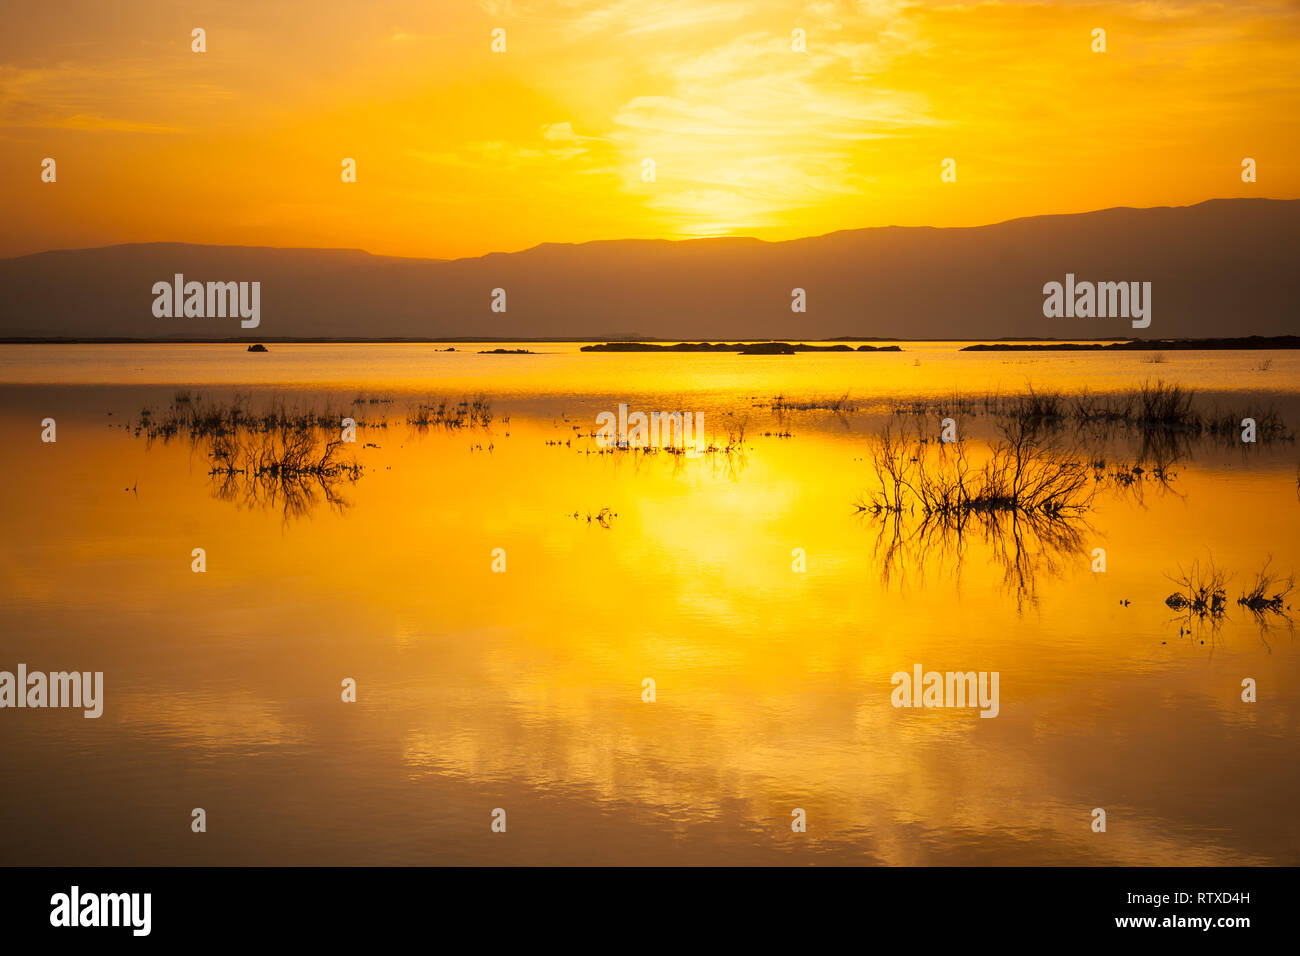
(1146, 345)
(259, 347)
(741, 348)
(502, 351)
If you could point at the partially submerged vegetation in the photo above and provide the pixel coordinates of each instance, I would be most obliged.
(839, 406)
(1202, 597)
(1021, 475)
(191, 418)
(1160, 412)
(291, 457)
(1202, 590)
(1267, 591)
(473, 412)
(1025, 503)
(1152, 407)
(269, 456)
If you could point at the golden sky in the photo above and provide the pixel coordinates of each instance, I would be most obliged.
(462, 151)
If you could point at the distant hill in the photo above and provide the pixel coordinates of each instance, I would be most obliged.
(1226, 267)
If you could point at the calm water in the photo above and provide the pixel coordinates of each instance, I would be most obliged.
(523, 690)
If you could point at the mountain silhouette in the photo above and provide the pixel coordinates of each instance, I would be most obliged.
(1219, 268)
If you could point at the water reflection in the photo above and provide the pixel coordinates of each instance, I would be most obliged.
(523, 689)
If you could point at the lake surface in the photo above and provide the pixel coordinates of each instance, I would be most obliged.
(523, 690)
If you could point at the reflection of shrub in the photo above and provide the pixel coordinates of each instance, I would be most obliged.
(1201, 590)
(295, 468)
(298, 478)
(1268, 423)
(1261, 595)
(1021, 475)
(1025, 506)
(274, 457)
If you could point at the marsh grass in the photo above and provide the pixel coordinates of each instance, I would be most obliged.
(272, 456)
(475, 412)
(1162, 412)
(1151, 405)
(780, 404)
(195, 420)
(946, 406)
(1269, 425)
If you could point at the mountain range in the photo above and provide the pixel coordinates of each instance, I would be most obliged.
(1224, 267)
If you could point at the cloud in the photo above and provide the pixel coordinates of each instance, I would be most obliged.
(749, 129)
(560, 132)
(92, 98)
